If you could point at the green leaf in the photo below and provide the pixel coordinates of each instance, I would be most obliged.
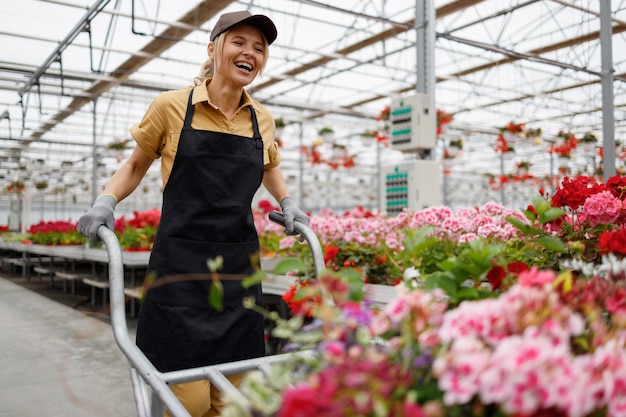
(288, 265)
(552, 243)
(295, 322)
(254, 279)
(467, 293)
(526, 229)
(441, 280)
(216, 295)
(417, 240)
(551, 214)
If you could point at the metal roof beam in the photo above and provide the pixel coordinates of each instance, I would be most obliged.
(78, 29)
(379, 37)
(169, 37)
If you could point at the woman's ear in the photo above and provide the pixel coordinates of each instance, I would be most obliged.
(210, 50)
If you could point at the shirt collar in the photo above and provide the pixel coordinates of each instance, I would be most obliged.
(201, 93)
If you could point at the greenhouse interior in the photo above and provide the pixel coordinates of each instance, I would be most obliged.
(72, 86)
(472, 152)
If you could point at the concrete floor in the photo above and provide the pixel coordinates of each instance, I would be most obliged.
(58, 357)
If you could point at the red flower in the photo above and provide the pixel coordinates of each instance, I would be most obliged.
(613, 241)
(495, 276)
(330, 253)
(266, 206)
(304, 401)
(573, 192)
(517, 267)
(299, 303)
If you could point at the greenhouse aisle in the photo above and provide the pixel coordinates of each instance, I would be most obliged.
(58, 361)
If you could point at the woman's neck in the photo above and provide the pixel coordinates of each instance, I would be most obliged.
(225, 97)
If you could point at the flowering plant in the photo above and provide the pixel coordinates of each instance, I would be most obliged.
(325, 131)
(55, 233)
(272, 239)
(589, 137)
(279, 122)
(512, 127)
(458, 143)
(118, 144)
(41, 185)
(138, 233)
(502, 146)
(443, 119)
(16, 187)
(384, 114)
(492, 330)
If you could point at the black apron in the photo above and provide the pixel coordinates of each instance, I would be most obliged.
(206, 212)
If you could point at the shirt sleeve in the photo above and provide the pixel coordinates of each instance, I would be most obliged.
(150, 132)
(273, 156)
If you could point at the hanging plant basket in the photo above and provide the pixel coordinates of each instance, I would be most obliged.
(327, 134)
(41, 185)
(279, 127)
(118, 144)
(16, 187)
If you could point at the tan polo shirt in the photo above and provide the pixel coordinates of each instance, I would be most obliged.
(159, 130)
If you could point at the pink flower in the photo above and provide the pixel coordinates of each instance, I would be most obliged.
(412, 410)
(397, 309)
(287, 242)
(602, 208)
(536, 277)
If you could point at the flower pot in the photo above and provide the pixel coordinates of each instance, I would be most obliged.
(564, 162)
(269, 264)
(507, 156)
(380, 294)
(588, 147)
(510, 137)
(453, 151)
(278, 132)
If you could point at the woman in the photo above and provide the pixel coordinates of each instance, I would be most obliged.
(216, 146)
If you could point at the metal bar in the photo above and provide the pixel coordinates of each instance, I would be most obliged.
(91, 13)
(136, 358)
(314, 243)
(140, 392)
(608, 111)
(144, 374)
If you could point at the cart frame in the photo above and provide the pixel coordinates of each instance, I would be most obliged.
(150, 386)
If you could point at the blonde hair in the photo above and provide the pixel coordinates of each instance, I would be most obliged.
(208, 67)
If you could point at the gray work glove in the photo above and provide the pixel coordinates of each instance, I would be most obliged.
(291, 213)
(100, 213)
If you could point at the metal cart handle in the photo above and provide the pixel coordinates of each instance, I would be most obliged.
(304, 230)
(137, 359)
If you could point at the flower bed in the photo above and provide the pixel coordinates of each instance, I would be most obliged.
(58, 232)
(138, 233)
(527, 318)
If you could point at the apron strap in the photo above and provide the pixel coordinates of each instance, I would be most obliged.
(255, 128)
(189, 113)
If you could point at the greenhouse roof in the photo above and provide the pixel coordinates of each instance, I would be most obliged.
(335, 63)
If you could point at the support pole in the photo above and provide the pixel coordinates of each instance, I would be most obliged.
(608, 112)
(94, 155)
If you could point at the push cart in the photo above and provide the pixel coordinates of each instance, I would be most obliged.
(150, 386)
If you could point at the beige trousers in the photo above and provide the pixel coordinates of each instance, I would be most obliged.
(200, 398)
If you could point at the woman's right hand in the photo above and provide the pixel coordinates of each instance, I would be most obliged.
(101, 213)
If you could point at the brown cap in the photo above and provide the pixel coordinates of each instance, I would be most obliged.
(261, 22)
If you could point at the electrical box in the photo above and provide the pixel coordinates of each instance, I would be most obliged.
(413, 122)
(412, 185)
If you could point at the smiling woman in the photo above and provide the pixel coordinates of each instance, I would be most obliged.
(211, 170)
